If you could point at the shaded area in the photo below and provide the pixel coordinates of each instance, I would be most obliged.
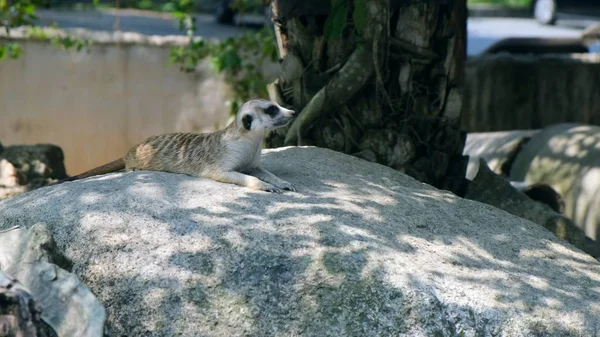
(383, 86)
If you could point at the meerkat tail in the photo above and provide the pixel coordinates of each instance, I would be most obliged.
(113, 166)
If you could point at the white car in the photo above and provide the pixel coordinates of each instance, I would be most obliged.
(548, 11)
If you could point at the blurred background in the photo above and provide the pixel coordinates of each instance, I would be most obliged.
(125, 86)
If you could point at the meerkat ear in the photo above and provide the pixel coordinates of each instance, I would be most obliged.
(247, 121)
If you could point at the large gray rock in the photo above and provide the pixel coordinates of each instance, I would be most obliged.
(359, 250)
(498, 150)
(493, 189)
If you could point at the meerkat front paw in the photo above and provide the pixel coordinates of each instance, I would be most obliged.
(270, 188)
(284, 185)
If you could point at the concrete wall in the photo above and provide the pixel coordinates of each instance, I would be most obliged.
(504, 92)
(96, 105)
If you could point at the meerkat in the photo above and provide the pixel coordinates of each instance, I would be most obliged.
(231, 155)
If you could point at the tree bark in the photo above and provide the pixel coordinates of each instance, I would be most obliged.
(391, 94)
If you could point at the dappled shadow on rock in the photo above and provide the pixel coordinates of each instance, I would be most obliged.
(359, 250)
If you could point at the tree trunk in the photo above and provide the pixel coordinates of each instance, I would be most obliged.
(390, 94)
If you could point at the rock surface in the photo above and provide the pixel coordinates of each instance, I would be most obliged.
(493, 189)
(19, 314)
(66, 304)
(359, 250)
(498, 149)
(566, 157)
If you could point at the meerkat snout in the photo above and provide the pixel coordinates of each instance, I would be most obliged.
(282, 116)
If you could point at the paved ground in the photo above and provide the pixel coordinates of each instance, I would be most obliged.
(134, 21)
(482, 32)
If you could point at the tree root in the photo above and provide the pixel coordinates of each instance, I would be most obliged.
(346, 83)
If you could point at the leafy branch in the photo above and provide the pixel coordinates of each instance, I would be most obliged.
(59, 39)
(239, 59)
(20, 13)
(15, 14)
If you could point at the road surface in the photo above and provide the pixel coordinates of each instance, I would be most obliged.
(142, 22)
(482, 32)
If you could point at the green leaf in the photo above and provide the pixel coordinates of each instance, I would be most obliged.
(238, 58)
(179, 15)
(145, 4)
(360, 15)
(29, 9)
(168, 7)
(14, 50)
(337, 20)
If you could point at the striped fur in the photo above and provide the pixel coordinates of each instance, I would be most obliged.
(231, 155)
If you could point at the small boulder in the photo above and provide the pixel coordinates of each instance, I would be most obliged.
(37, 163)
(9, 175)
(65, 303)
(567, 158)
(19, 312)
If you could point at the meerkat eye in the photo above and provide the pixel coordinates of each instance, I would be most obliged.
(272, 111)
(247, 122)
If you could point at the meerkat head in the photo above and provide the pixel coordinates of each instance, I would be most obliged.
(263, 115)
